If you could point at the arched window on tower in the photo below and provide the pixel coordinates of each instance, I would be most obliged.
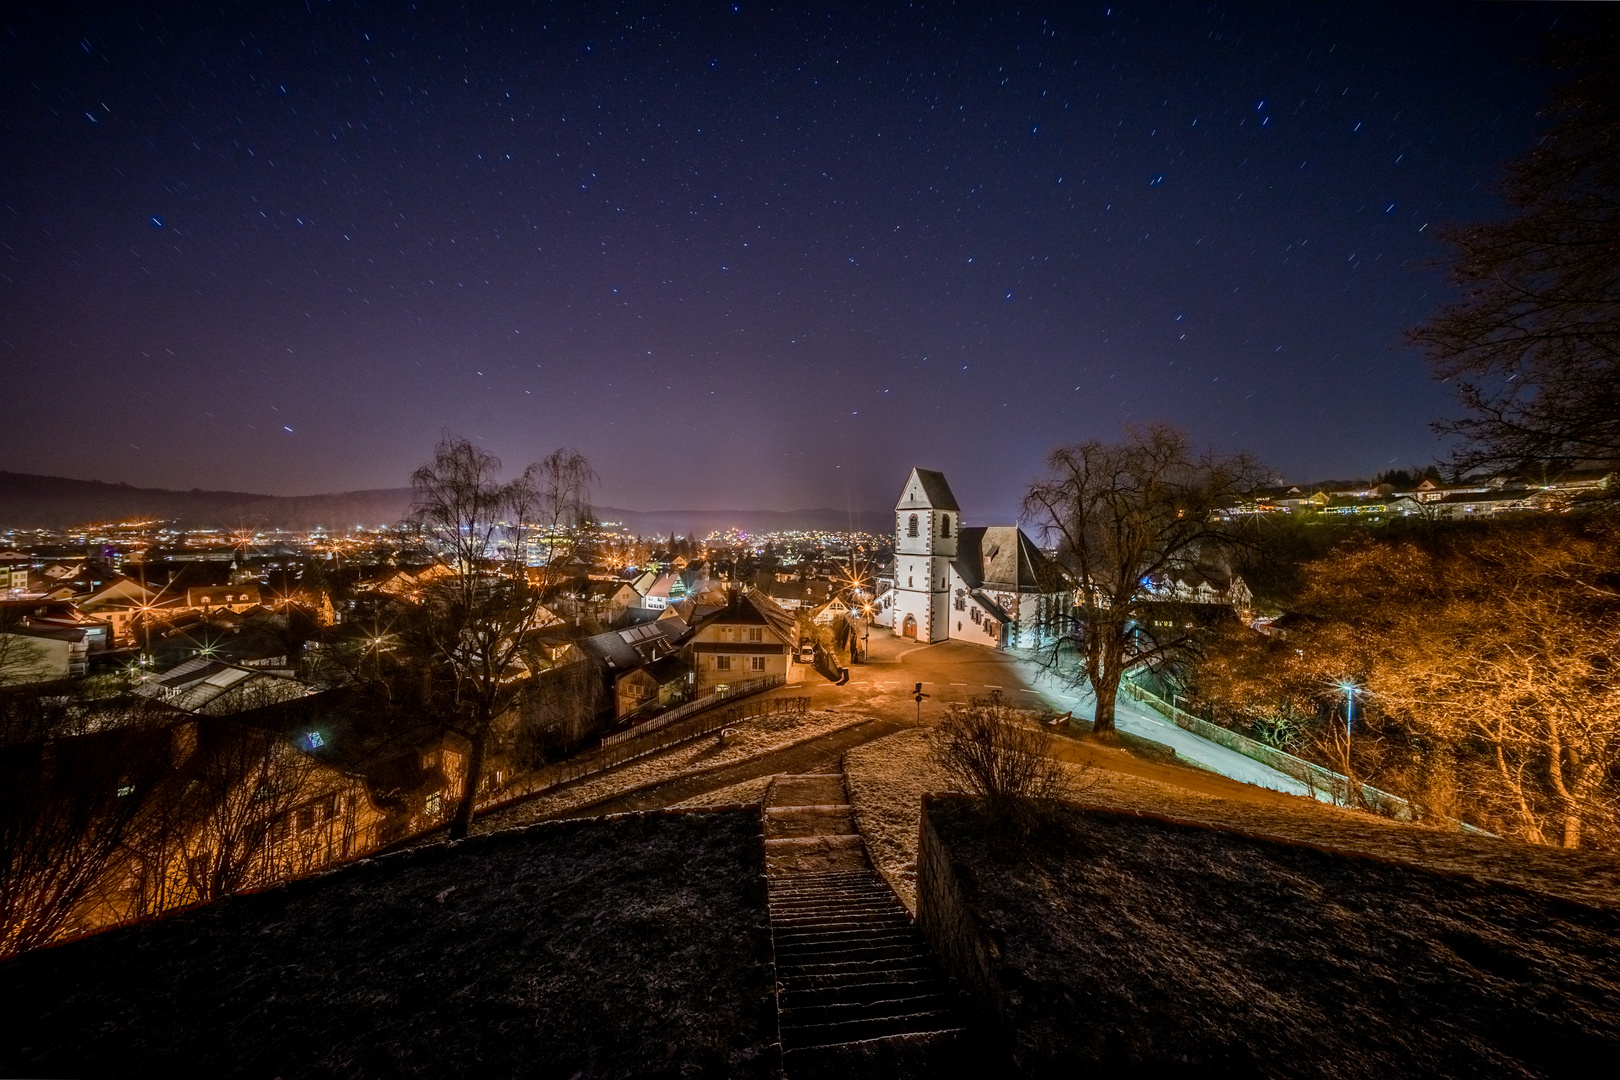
(945, 525)
(911, 527)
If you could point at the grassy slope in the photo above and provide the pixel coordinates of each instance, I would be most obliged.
(888, 776)
(630, 946)
(1135, 944)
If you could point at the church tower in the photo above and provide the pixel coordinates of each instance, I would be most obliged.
(926, 523)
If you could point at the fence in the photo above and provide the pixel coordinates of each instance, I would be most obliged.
(647, 741)
(708, 701)
(1313, 776)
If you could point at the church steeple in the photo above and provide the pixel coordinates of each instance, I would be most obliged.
(927, 518)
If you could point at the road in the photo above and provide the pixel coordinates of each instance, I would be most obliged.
(954, 672)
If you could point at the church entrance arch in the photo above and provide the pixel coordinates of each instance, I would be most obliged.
(909, 627)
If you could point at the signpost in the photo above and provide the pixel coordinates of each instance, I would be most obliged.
(919, 695)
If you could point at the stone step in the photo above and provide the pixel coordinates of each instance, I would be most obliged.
(845, 935)
(936, 1002)
(796, 886)
(785, 894)
(807, 810)
(830, 896)
(873, 1028)
(804, 958)
(824, 789)
(810, 825)
(794, 948)
(929, 1054)
(799, 843)
(862, 965)
(811, 909)
(846, 992)
(836, 923)
(855, 975)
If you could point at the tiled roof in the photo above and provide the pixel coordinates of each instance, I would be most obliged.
(998, 556)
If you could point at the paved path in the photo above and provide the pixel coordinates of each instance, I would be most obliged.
(1138, 719)
(954, 672)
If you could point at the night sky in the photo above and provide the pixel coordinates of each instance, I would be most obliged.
(742, 256)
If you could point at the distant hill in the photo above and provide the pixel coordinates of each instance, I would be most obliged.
(53, 502)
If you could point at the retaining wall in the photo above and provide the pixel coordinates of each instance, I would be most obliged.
(949, 920)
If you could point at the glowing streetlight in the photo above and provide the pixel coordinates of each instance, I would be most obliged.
(1349, 690)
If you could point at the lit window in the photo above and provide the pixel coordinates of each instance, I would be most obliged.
(314, 740)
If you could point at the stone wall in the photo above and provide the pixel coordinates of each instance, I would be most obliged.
(954, 928)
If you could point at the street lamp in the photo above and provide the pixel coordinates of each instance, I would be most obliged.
(1349, 689)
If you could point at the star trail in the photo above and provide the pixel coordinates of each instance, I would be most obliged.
(740, 255)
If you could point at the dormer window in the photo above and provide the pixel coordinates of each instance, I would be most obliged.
(911, 526)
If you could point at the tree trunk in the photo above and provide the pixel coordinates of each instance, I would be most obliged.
(469, 786)
(1106, 691)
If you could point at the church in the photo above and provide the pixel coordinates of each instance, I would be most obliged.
(988, 586)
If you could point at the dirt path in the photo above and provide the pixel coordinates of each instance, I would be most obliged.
(821, 754)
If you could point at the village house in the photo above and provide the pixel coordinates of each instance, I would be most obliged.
(237, 598)
(749, 638)
(32, 654)
(1191, 587)
(643, 664)
(14, 568)
(121, 602)
(215, 688)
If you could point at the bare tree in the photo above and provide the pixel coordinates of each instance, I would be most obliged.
(1534, 343)
(557, 714)
(1124, 516)
(237, 784)
(479, 617)
(77, 781)
(990, 752)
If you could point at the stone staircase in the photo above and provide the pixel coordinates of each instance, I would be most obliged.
(859, 993)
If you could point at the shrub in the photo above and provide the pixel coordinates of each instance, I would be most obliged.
(985, 747)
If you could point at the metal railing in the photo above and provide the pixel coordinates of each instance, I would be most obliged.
(1313, 776)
